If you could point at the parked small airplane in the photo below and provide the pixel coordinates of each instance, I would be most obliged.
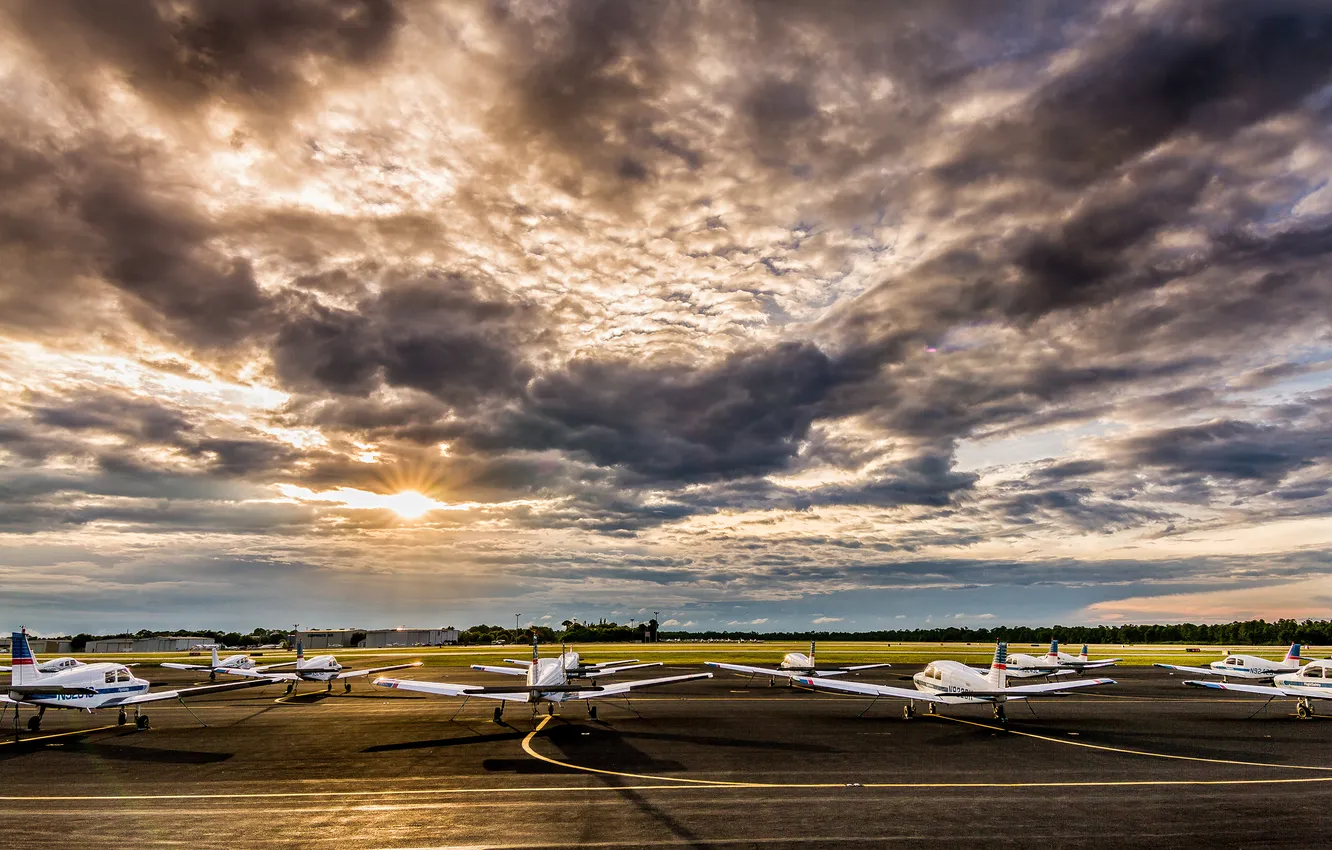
(794, 664)
(321, 668)
(1054, 663)
(1312, 681)
(86, 687)
(55, 665)
(574, 666)
(547, 681)
(954, 683)
(1244, 666)
(239, 661)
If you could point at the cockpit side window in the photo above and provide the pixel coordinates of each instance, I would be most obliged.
(1232, 660)
(1313, 672)
(110, 677)
(122, 675)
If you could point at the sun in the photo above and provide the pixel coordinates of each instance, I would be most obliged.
(409, 504)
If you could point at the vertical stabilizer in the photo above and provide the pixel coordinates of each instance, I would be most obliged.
(998, 677)
(216, 662)
(300, 654)
(1054, 649)
(1084, 656)
(811, 653)
(1293, 656)
(23, 667)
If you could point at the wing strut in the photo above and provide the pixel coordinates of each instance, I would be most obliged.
(181, 700)
(1261, 708)
(868, 707)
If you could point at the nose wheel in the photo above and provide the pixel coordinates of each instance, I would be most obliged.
(1304, 709)
(909, 710)
(999, 714)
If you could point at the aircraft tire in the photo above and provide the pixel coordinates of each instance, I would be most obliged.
(346, 687)
(212, 677)
(931, 708)
(34, 724)
(122, 718)
(908, 712)
(591, 712)
(141, 723)
(499, 715)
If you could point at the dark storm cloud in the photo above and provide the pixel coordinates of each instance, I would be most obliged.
(1232, 449)
(139, 419)
(250, 53)
(443, 334)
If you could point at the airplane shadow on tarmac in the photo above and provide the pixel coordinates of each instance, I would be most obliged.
(106, 748)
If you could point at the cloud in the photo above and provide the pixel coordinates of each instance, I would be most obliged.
(818, 621)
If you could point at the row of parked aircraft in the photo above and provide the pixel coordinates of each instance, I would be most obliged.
(568, 677)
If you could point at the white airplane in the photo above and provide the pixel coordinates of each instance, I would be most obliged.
(86, 687)
(1054, 663)
(55, 665)
(794, 664)
(547, 681)
(321, 668)
(1312, 681)
(954, 683)
(574, 666)
(1244, 666)
(239, 661)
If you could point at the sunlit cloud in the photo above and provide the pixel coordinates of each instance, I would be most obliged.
(408, 504)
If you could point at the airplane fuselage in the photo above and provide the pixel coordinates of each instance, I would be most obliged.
(109, 681)
(954, 679)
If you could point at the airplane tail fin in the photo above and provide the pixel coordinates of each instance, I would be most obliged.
(23, 667)
(1054, 649)
(999, 666)
(1083, 656)
(1293, 656)
(216, 662)
(811, 654)
(300, 653)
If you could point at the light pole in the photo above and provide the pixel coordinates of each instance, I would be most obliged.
(656, 617)
(515, 621)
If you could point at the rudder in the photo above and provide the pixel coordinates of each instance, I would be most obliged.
(23, 667)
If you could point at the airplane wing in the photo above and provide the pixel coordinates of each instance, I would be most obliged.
(1092, 665)
(518, 661)
(181, 693)
(621, 688)
(869, 690)
(347, 674)
(1054, 688)
(865, 667)
(257, 673)
(1205, 671)
(614, 663)
(175, 666)
(611, 671)
(444, 689)
(507, 671)
(1265, 690)
(753, 671)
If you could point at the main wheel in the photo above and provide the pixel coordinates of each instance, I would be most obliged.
(121, 718)
(291, 686)
(591, 712)
(550, 709)
(141, 722)
(908, 711)
(212, 677)
(499, 715)
(34, 724)
(931, 708)
(346, 687)
(999, 713)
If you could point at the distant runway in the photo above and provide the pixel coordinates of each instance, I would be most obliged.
(716, 763)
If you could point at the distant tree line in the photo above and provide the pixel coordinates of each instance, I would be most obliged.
(1247, 633)
(258, 637)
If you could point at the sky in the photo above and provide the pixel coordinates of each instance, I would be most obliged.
(759, 315)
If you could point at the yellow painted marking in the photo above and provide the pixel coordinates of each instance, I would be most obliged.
(58, 735)
(527, 747)
(1110, 749)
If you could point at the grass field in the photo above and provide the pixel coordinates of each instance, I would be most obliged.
(766, 653)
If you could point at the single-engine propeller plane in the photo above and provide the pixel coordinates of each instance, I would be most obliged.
(547, 681)
(1310, 682)
(795, 664)
(1235, 666)
(231, 662)
(954, 683)
(574, 666)
(1054, 663)
(320, 668)
(87, 687)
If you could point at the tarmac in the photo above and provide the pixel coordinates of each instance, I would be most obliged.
(726, 762)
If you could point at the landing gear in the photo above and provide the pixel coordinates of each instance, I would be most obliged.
(772, 683)
(212, 677)
(346, 687)
(1304, 709)
(291, 686)
(141, 722)
(909, 710)
(591, 712)
(122, 718)
(329, 689)
(931, 708)
(35, 723)
(499, 713)
(550, 710)
(999, 714)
